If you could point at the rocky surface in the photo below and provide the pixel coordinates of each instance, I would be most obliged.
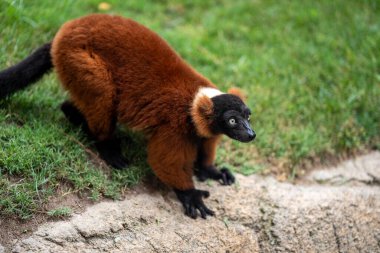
(332, 210)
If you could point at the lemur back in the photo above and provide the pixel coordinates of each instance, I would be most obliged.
(114, 66)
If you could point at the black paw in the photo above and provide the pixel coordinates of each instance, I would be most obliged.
(224, 175)
(227, 177)
(110, 152)
(118, 162)
(202, 175)
(192, 200)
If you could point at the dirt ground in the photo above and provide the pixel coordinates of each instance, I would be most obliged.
(330, 210)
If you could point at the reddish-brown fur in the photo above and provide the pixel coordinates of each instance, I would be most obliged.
(118, 70)
(201, 114)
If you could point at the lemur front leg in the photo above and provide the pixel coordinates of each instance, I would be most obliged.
(172, 158)
(205, 168)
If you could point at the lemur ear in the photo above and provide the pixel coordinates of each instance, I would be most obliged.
(238, 92)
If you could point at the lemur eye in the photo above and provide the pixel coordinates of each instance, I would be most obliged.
(232, 121)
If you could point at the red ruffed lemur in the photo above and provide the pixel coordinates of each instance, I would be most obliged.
(117, 70)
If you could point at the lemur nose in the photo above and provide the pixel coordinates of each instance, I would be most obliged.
(252, 135)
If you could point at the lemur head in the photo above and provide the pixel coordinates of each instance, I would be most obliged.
(214, 112)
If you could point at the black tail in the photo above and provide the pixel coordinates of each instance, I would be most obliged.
(26, 72)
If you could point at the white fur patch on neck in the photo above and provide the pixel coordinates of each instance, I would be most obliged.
(208, 92)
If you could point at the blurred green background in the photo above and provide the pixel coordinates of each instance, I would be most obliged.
(311, 71)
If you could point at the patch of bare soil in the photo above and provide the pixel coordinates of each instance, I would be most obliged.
(14, 229)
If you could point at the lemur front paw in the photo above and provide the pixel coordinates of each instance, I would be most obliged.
(224, 175)
(227, 177)
(192, 201)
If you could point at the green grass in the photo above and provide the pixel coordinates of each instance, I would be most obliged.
(311, 70)
(60, 212)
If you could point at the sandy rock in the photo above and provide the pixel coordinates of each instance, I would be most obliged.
(256, 215)
(362, 170)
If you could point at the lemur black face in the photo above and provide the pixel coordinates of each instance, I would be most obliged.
(232, 118)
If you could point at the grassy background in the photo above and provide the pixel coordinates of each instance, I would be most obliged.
(311, 70)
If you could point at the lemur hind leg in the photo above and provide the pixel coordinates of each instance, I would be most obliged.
(109, 150)
(93, 98)
(74, 116)
(205, 168)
